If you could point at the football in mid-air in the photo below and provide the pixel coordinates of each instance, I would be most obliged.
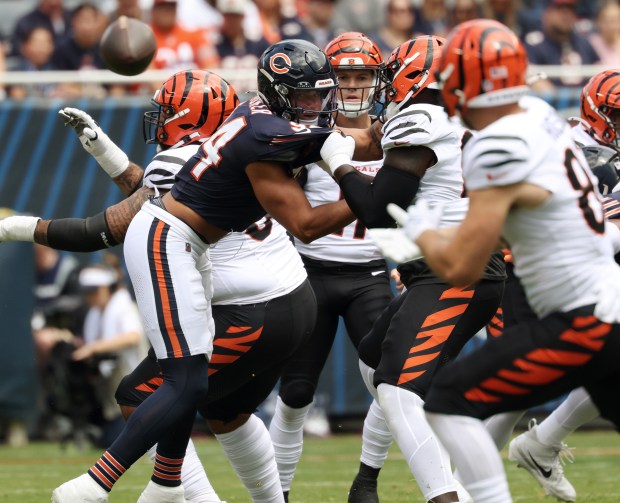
(127, 46)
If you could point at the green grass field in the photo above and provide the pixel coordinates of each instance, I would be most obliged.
(28, 475)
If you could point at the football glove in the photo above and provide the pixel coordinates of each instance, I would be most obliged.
(337, 150)
(395, 245)
(98, 144)
(18, 228)
(418, 218)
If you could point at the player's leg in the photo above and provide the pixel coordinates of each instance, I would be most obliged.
(431, 327)
(530, 364)
(131, 392)
(300, 377)
(169, 282)
(376, 436)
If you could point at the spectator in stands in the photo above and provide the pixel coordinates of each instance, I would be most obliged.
(398, 28)
(48, 13)
(318, 19)
(235, 50)
(80, 50)
(559, 44)
(275, 24)
(431, 18)
(464, 10)
(179, 48)
(606, 41)
(513, 14)
(35, 55)
(365, 16)
(113, 338)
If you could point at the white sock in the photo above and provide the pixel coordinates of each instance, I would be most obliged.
(475, 455)
(575, 411)
(250, 453)
(287, 434)
(427, 459)
(500, 426)
(193, 476)
(376, 437)
(368, 374)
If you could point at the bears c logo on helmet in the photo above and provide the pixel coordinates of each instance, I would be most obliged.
(279, 67)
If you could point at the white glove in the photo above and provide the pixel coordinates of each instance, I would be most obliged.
(337, 150)
(18, 228)
(98, 144)
(418, 218)
(395, 245)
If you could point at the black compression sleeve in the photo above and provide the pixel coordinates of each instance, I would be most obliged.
(369, 198)
(80, 234)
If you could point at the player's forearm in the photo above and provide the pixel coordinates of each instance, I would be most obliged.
(323, 220)
(130, 180)
(101, 231)
(369, 198)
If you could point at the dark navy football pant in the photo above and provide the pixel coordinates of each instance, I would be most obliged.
(251, 345)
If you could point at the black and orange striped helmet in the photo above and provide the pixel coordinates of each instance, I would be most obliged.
(483, 65)
(191, 105)
(411, 67)
(355, 51)
(600, 107)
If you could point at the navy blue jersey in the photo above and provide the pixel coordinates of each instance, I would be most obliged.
(611, 205)
(213, 182)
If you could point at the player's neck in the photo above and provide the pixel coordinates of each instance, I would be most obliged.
(361, 122)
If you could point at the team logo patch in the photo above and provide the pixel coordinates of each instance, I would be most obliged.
(278, 61)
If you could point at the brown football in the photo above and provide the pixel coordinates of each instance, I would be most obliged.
(127, 46)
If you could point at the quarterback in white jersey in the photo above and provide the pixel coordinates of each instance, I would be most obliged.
(347, 272)
(529, 184)
(431, 321)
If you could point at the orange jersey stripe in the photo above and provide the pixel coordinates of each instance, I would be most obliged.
(558, 357)
(531, 373)
(457, 293)
(409, 376)
(477, 395)
(494, 384)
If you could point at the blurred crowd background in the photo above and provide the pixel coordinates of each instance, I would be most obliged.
(68, 327)
(47, 35)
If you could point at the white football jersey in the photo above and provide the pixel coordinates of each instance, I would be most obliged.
(351, 244)
(559, 248)
(429, 126)
(248, 267)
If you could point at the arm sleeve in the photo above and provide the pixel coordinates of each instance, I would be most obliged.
(80, 234)
(369, 199)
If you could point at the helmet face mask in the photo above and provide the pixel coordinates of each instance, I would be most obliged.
(355, 57)
(189, 106)
(600, 107)
(288, 68)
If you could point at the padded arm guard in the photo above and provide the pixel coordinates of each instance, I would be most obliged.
(80, 234)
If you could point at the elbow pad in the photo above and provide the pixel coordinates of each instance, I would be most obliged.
(80, 234)
(369, 199)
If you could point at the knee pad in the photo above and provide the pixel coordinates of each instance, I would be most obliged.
(297, 393)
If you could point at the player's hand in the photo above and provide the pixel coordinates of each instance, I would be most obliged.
(98, 144)
(337, 150)
(395, 245)
(18, 228)
(418, 218)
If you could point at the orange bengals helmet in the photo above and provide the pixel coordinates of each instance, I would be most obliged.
(600, 107)
(411, 67)
(355, 51)
(483, 65)
(191, 105)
